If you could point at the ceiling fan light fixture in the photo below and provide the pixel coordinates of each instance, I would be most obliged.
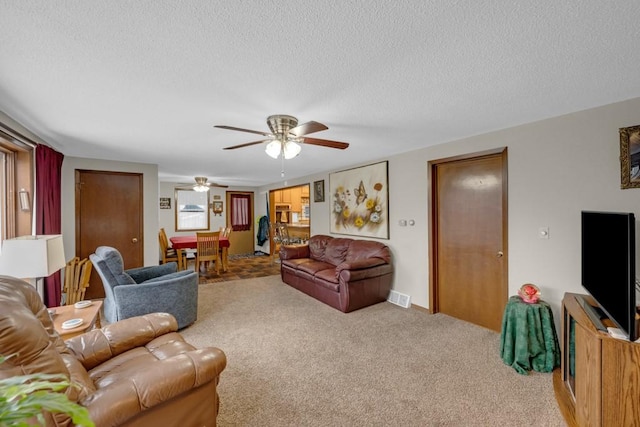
(201, 184)
(273, 149)
(291, 149)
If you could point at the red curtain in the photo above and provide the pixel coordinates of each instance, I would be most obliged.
(49, 210)
(240, 212)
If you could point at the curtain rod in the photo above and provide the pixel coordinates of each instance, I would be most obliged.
(17, 135)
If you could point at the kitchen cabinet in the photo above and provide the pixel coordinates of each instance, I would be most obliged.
(282, 196)
(295, 199)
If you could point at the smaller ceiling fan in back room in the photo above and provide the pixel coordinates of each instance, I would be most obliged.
(200, 185)
(286, 136)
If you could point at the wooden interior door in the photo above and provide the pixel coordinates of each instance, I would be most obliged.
(242, 242)
(469, 239)
(109, 212)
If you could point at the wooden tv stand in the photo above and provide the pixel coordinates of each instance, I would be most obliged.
(598, 383)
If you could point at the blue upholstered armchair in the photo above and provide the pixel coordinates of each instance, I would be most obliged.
(144, 290)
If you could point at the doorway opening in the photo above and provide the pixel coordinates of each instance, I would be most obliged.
(289, 207)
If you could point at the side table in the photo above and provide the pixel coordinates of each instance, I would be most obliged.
(90, 318)
(529, 340)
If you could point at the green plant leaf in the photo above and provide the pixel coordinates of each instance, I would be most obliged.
(24, 397)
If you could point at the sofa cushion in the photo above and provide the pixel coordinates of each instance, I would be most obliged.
(367, 249)
(295, 262)
(318, 246)
(336, 251)
(27, 336)
(328, 279)
(313, 266)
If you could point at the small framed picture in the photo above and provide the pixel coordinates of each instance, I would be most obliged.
(165, 202)
(318, 191)
(216, 207)
(630, 157)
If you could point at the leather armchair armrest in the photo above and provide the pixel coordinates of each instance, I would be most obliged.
(141, 274)
(373, 270)
(164, 380)
(293, 252)
(360, 264)
(97, 346)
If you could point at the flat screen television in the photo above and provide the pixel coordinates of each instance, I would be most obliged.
(609, 266)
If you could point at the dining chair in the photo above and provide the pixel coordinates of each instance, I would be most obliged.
(224, 251)
(225, 231)
(280, 236)
(76, 279)
(168, 253)
(208, 248)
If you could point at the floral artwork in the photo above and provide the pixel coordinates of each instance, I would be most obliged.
(359, 201)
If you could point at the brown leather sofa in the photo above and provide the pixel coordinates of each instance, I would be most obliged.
(347, 274)
(135, 372)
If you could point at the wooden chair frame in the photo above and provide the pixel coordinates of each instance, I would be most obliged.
(208, 248)
(76, 279)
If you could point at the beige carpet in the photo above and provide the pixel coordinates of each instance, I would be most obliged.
(293, 361)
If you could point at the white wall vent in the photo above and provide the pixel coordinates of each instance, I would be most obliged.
(399, 299)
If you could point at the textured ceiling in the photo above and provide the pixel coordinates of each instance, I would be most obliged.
(145, 81)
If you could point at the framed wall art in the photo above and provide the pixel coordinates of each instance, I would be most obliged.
(630, 157)
(216, 207)
(359, 201)
(165, 202)
(318, 191)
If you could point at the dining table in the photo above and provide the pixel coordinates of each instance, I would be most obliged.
(180, 243)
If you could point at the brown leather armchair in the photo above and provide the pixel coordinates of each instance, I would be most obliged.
(135, 372)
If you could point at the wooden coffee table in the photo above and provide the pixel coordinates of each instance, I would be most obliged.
(90, 318)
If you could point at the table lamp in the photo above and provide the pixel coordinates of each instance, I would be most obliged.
(32, 257)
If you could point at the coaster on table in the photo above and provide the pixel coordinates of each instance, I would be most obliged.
(71, 323)
(82, 304)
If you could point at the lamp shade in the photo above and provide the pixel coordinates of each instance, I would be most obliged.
(273, 149)
(291, 149)
(32, 256)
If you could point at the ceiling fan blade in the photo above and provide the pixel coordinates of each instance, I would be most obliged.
(307, 128)
(246, 145)
(243, 130)
(213, 184)
(325, 143)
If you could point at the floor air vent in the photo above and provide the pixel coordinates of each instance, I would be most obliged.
(399, 299)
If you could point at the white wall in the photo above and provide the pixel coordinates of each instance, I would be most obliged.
(556, 168)
(167, 216)
(150, 201)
